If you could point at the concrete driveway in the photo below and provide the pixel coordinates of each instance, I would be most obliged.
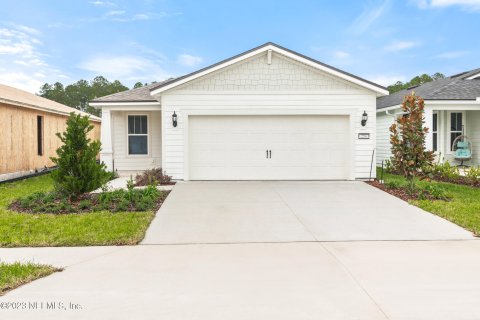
(253, 211)
(265, 250)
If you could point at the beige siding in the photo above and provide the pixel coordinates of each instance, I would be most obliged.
(125, 162)
(18, 139)
(473, 132)
(256, 75)
(384, 122)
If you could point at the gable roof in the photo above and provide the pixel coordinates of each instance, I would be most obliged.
(456, 87)
(380, 90)
(141, 94)
(20, 98)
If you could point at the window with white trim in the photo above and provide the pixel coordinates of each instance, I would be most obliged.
(435, 131)
(456, 127)
(137, 135)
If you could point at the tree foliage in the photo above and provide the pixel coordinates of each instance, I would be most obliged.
(78, 170)
(418, 80)
(78, 94)
(407, 140)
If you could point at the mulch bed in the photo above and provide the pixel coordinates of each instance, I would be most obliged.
(399, 192)
(93, 198)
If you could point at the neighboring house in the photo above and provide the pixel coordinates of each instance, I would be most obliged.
(28, 124)
(266, 114)
(452, 108)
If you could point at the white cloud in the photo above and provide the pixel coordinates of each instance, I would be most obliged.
(115, 13)
(189, 60)
(339, 54)
(125, 68)
(22, 60)
(386, 80)
(21, 80)
(107, 4)
(470, 5)
(451, 54)
(371, 13)
(401, 45)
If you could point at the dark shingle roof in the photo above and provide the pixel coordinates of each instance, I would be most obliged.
(456, 87)
(141, 94)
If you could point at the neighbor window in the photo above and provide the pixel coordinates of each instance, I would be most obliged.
(40, 135)
(434, 131)
(456, 126)
(137, 135)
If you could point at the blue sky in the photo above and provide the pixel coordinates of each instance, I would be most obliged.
(147, 40)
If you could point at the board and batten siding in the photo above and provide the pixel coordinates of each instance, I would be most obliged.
(18, 138)
(254, 87)
(122, 160)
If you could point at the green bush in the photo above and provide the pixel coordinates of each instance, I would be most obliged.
(473, 174)
(445, 170)
(393, 184)
(435, 191)
(84, 204)
(78, 170)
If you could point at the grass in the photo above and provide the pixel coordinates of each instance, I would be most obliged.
(86, 229)
(462, 209)
(16, 274)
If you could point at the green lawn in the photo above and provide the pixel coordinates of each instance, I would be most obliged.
(462, 209)
(13, 275)
(87, 229)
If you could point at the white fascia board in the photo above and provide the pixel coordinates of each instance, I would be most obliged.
(112, 104)
(475, 76)
(451, 102)
(379, 91)
(398, 106)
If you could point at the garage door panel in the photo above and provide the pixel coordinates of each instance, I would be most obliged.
(302, 147)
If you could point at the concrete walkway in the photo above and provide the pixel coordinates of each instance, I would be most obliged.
(335, 280)
(239, 212)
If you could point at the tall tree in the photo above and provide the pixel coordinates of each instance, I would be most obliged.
(407, 138)
(415, 81)
(77, 95)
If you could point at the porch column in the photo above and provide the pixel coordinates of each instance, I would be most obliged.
(106, 153)
(428, 114)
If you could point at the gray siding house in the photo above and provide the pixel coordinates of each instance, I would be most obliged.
(452, 108)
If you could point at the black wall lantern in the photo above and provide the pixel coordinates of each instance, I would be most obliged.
(364, 118)
(174, 119)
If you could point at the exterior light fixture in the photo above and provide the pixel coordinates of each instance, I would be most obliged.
(364, 118)
(174, 119)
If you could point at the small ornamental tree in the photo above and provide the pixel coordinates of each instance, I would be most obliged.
(78, 170)
(407, 138)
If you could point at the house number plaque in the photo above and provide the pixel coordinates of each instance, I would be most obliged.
(364, 136)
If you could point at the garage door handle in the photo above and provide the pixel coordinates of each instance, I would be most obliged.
(267, 153)
(270, 154)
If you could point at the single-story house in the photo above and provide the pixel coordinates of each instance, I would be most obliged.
(266, 114)
(28, 126)
(452, 108)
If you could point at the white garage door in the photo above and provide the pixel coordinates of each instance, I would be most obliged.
(269, 147)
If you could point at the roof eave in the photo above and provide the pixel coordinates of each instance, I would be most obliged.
(379, 90)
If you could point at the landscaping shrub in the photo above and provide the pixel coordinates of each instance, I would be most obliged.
(155, 176)
(146, 199)
(434, 191)
(78, 170)
(393, 184)
(408, 141)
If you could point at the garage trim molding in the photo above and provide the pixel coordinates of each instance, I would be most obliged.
(265, 112)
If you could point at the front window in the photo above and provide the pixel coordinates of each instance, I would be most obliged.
(456, 126)
(137, 134)
(434, 132)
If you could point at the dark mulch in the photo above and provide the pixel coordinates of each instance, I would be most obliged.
(402, 192)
